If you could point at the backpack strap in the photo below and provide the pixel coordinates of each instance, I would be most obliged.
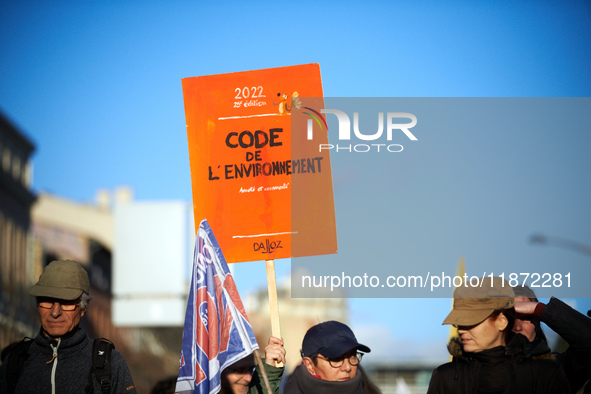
(101, 365)
(16, 360)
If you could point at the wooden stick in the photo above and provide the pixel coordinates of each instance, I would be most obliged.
(273, 304)
(261, 366)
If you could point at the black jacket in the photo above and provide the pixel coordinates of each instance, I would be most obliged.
(301, 382)
(500, 370)
(575, 329)
(70, 367)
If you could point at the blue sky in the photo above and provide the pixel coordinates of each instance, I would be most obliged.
(97, 87)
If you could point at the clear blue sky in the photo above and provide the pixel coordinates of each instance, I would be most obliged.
(97, 87)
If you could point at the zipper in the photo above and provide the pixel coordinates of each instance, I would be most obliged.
(54, 360)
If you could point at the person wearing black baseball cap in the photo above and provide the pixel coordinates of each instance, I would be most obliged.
(330, 358)
(62, 356)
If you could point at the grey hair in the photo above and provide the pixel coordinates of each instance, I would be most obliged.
(85, 299)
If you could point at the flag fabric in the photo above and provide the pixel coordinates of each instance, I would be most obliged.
(217, 332)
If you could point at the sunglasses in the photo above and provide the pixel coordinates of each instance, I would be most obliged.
(64, 304)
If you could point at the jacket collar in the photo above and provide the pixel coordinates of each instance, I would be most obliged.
(69, 342)
(302, 381)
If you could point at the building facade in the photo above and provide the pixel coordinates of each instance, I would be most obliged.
(17, 311)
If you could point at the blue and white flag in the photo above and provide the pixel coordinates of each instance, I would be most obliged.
(217, 332)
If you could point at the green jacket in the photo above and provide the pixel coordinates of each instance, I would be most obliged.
(274, 374)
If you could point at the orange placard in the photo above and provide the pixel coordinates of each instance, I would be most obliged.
(239, 129)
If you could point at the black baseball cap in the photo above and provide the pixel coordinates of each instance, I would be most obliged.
(332, 339)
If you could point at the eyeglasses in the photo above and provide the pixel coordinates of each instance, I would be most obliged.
(530, 318)
(64, 305)
(354, 360)
(241, 370)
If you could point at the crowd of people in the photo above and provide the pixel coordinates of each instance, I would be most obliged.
(500, 348)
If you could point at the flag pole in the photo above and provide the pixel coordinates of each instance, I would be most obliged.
(273, 304)
(259, 362)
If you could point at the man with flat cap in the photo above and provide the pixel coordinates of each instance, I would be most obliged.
(60, 359)
(330, 360)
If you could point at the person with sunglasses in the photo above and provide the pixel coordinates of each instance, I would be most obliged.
(244, 376)
(572, 326)
(330, 361)
(60, 358)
